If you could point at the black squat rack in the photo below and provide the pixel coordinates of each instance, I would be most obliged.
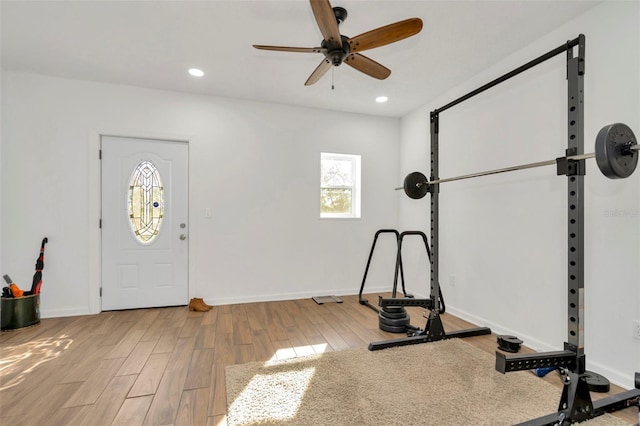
(615, 148)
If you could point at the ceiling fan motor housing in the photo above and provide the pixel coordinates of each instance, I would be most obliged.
(336, 53)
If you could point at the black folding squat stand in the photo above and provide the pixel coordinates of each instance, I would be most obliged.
(392, 315)
(364, 301)
(433, 330)
(392, 319)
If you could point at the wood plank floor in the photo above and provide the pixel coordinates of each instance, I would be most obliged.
(165, 366)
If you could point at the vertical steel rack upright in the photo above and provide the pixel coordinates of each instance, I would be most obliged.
(575, 403)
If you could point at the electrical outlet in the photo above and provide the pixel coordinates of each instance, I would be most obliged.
(636, 329)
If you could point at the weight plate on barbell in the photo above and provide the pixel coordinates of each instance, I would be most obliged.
(416, 185)
(613, 154)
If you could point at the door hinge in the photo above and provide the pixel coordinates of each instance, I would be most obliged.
(100, 224)
(100, 291)
(99, 154)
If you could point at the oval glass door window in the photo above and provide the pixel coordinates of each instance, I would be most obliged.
(146, 202)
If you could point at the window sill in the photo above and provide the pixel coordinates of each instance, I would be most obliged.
(340, 217)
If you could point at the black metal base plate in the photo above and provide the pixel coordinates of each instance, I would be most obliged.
(425, 338)
(601, 406)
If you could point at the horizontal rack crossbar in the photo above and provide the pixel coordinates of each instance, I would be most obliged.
(423, 303)
(558, 50)
(507, 363)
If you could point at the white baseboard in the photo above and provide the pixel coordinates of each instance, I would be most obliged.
(614, 376)
(530, 341)
(287, 296)
(57, 313)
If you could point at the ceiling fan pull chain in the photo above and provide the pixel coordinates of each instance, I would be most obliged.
(332, 74)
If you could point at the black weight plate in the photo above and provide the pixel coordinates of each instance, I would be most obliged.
(394, 309)
(416, 185)
(393, 315)
(391, 329)
(509, 343)
(393, 322)
(611, 157)
(596, 382)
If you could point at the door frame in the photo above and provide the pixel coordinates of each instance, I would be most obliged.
(94, 235)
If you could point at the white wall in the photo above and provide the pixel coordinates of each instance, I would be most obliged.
(503, 238)
(255, 165)
(1, 71)
(1, 266)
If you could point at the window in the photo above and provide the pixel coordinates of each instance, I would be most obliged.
(146, 202)
(339, 185)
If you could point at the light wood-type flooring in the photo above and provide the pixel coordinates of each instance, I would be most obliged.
(165, 366)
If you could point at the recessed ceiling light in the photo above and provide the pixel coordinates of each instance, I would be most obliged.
(196, 72)
(381, 99)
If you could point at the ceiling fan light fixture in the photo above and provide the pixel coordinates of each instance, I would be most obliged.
(381, 99)
(196, 72)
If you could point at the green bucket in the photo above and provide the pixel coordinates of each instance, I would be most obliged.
(19, 312)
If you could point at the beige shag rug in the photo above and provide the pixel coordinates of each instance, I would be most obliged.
(448, 382)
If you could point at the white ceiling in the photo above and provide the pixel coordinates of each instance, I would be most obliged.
(153, 43)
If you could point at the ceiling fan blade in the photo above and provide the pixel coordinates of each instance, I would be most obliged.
(367, 66)
(318, 72)
(291, 49)
(385, 35)
(326, 19)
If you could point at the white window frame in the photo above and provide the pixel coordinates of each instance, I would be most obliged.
(356, 189)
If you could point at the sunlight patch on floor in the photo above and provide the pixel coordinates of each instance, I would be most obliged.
(20, 360)
(297, 351)
(278, 395)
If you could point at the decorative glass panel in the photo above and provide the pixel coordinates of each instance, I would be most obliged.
(146, 202)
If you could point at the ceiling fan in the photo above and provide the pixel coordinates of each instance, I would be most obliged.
(338, 48)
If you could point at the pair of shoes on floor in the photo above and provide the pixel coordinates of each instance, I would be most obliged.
(197, 304)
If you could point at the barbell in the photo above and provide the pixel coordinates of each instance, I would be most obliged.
(616, 153)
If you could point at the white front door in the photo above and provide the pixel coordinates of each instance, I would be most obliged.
(144, 223)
